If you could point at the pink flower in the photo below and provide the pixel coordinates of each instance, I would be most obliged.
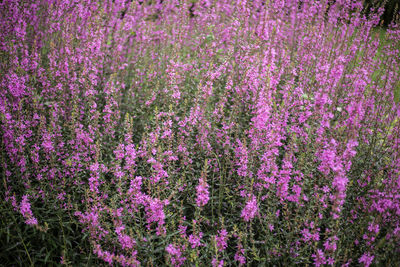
(202, 193)
(239, 256)
(155, 212)
(367, 259)
(195, 240)
(250, 210)
(216, 263)
(221, 240)
(26, 211)
(319, 258)
(176, 254)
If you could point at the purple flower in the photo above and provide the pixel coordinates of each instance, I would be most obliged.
(26, 211)
(250, 210)
(195, 240)
(239, 256)
(176, 254)
(319, 258)
(367, 259)
(221, 240)
(216, 263)
(155, 212)
(202, 193)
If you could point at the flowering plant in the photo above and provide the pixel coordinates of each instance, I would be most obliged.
(199, 132)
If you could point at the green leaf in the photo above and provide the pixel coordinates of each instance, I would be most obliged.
(209, 38)
(396, 93)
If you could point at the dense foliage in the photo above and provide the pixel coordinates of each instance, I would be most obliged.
(199, 133)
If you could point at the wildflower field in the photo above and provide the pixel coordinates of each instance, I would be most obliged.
(199, 133)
